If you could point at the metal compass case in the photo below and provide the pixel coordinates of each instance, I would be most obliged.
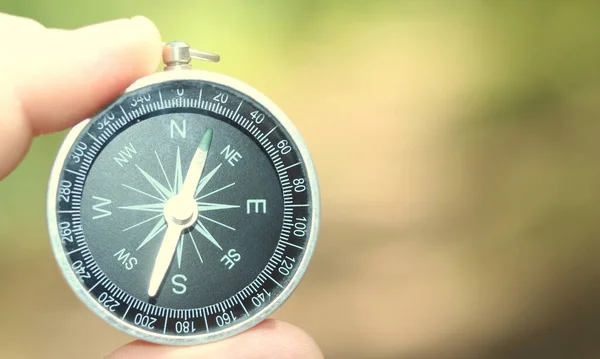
(187, 210)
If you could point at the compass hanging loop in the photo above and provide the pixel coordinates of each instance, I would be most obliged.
(177, 55)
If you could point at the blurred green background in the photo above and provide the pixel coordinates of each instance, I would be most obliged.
(457, 144)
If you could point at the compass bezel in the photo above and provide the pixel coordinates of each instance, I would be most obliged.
(81, 291)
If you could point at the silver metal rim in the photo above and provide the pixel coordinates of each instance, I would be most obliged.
(116, 322)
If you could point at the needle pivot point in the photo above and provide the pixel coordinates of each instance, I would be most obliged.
(181, 211)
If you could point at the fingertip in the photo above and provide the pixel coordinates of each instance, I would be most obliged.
(154, 49)
(90, 67)
(52, 79)
(136, 349)
(136, 41)
(272, 339)
(139, 34)
(287, 340)
(18, 23)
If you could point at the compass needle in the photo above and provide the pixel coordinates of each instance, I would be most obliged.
(197, 165)
(187, 210)
(163, 260)
(180, 212)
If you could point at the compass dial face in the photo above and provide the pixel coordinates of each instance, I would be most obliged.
(184, 211)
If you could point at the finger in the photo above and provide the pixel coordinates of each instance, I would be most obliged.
(17, 28)
(54, 79)
(77, 72)
(269, 340)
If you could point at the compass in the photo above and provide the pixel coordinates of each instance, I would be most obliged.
(187, 210)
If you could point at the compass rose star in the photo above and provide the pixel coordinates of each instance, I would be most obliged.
(161, 189)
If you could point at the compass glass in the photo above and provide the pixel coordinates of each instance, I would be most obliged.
(195, 177)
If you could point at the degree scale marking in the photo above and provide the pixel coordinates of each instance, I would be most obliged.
(276, 160)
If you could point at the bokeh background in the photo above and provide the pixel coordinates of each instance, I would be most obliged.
(457, 144)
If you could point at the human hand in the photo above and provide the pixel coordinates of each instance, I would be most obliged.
(50, 80)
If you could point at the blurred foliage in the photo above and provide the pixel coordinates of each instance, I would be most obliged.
(522, 138)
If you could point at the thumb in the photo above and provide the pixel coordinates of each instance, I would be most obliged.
(269, 340)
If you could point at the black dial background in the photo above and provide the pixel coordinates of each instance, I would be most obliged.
(209, 281)
(271, 245)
